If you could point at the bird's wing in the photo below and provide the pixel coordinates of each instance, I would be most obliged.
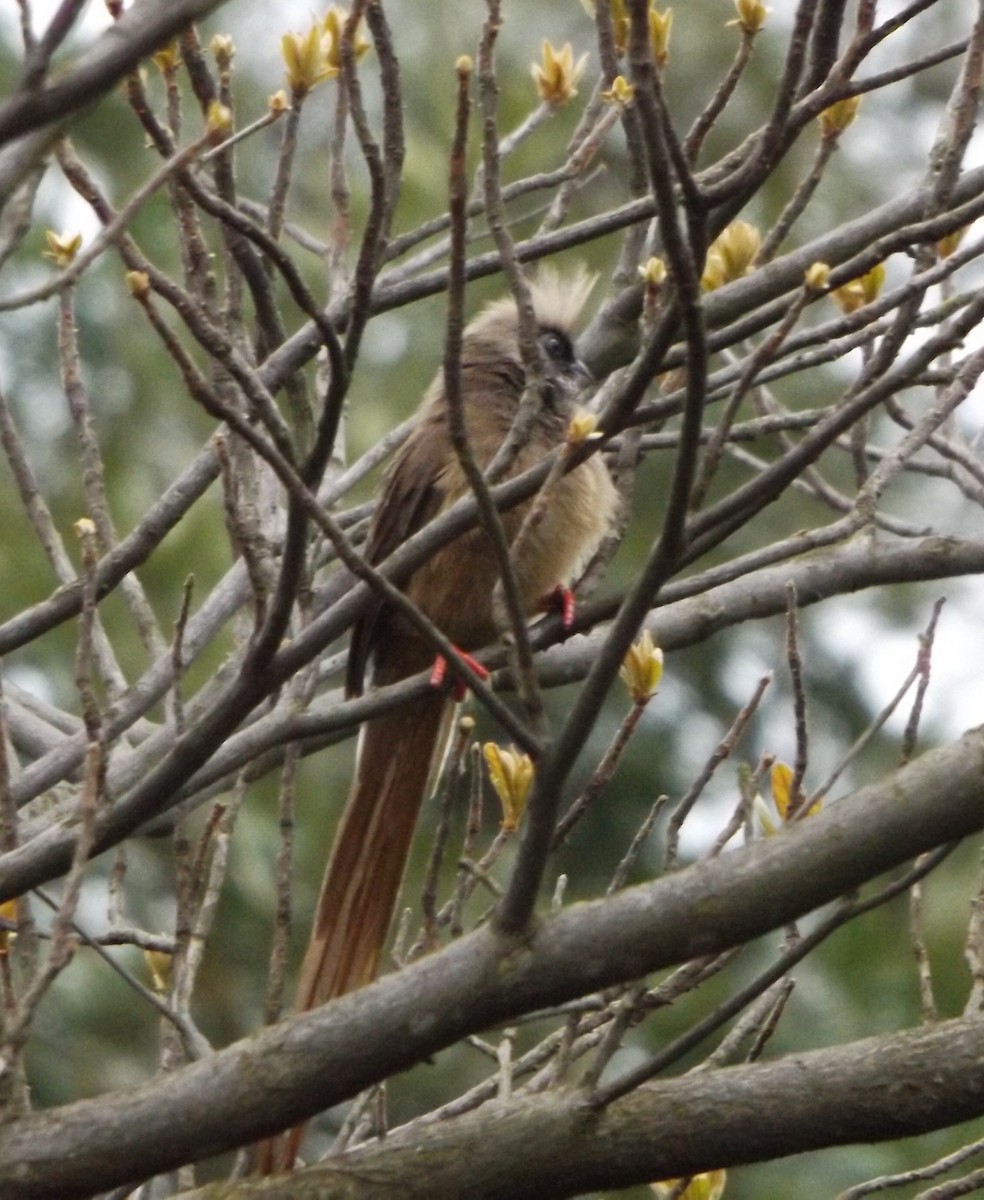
(413, 493)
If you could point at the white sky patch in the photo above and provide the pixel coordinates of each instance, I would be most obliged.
(387, 338)
(31, 680)
(879, 656)
(93, 21)
(60, 206)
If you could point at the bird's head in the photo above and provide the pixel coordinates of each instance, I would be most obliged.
(492, 339)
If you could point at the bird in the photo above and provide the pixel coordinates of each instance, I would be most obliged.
(399, 752)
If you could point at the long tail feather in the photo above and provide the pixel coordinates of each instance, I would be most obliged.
(370, 851)
(398, 755)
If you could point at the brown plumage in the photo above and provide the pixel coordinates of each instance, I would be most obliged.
(398, 753)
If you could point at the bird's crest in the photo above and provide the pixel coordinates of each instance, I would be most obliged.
(558, 298)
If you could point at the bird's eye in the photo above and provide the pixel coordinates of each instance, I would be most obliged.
(555, 345)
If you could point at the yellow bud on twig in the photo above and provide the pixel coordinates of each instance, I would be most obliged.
(642, 669)
(621, 91)
(582, 428)
(511, 774)
(168, 58)
(707, 1186)
(223, 49)
(8, 924)
(855, 294)
(139, 284)
(218, 121)
(835, 119)
(787, 805)
(731, 255)
(816, 276)
(660, 27)
(159, 964)
(950, 241)
(333, 24)
(557, 74)
(305, 56)
(620, 21)
(751, 15)
(62, 247)
(781, 779)
(653, 272)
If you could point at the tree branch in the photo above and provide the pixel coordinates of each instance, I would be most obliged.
(670, 1129)
(285, 1074)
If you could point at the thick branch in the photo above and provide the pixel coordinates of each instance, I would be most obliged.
(685, 620)
(681, 621)
(143, 29)
(673, 1128)
(285, 1074)
(609, 342)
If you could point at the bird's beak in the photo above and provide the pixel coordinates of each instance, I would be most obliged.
(580, 374)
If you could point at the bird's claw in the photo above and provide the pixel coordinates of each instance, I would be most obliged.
(561, 600)
(441, 670)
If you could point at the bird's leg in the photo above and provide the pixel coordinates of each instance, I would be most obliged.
(560, 600)
(441, 670)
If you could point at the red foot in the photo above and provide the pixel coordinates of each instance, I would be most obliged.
(561, 600)
(441, 669)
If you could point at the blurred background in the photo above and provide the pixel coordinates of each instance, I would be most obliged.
(92, 1034)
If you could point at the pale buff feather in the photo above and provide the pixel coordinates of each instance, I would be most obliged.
(558, 299)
